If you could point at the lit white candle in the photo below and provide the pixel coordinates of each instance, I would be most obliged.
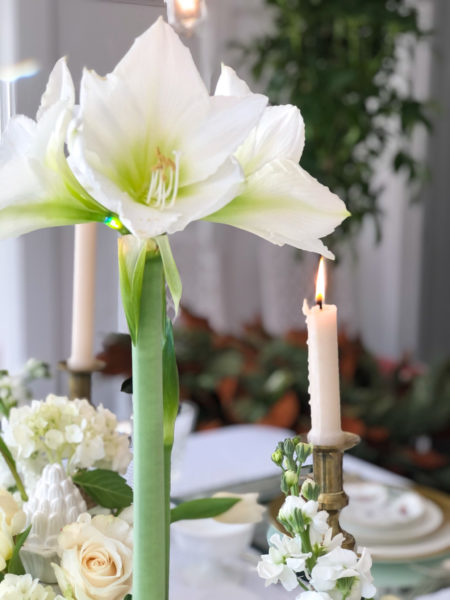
(323, 368)
(82, 356)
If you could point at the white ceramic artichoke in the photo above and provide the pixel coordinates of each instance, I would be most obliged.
(56, 501)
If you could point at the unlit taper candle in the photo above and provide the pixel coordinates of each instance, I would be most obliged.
(82, 354)
(323, 368)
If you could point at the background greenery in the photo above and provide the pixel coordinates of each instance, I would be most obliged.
(336, 61)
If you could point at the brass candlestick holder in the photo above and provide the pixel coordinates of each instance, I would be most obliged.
(80, 382)
(328, 473)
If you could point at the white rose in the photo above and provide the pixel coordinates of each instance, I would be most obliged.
(24, 587)
(96, 558)
(247, 510)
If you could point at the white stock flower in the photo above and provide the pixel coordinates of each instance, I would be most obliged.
(96, 558)
(312, 518)
(363, 566)
(38, 189)
(247, 510)
(60, 430)
(279, 201)
(330, 567)
(152, 145)
(285, 559)
(24, 587)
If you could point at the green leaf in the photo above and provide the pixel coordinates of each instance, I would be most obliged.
(132, 253)
(170, 385)
(15, 565)
(203, 508)
(171, 273)
(107, 488)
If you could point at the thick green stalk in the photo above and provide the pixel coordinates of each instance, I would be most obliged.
(167, 468)
(149, 562)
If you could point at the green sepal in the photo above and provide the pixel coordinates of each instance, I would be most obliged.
(202, 508)
(132, 252)
(170, 384)
(171, 274)
(105, 487)
(15, 565)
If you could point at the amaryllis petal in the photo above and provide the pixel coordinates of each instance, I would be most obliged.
(38, 188)
(285, 205)
(280, 133)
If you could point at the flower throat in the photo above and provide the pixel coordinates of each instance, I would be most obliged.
(163, 186)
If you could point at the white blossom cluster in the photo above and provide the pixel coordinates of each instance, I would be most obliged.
(24, 587)
(312, 559)
(70, 432)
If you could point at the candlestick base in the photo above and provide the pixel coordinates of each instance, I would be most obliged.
(328, 473)
(80, 382)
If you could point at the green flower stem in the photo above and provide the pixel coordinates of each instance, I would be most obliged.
(5, 452)
(149, 561)
(167, 468)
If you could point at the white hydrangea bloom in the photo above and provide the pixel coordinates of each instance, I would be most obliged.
(285, 559)
(71, 432)
(24, 587)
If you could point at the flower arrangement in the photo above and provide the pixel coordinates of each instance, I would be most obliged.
(69, 432)
(309, 556)
(149, 151)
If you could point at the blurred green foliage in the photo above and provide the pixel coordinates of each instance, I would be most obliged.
(337, 62)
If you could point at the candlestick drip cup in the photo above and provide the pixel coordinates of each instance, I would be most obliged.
(80, 382)
(328, 474)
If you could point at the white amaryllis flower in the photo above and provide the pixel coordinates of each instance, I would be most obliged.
(279, 201)
(38, 189)
(285, 559)
(151, 145)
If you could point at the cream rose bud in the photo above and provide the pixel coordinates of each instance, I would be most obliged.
(96, 558)
(247, 510)
(11, 514)
(6, 548)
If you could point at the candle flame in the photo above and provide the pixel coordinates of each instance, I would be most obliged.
(320, 283)
(188, 8)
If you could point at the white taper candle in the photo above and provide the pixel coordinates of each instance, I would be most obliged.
(82, 354)
(323, 367)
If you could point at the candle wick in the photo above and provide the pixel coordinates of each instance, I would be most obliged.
(320, 303)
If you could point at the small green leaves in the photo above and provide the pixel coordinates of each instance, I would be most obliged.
(203, 508)
(105, 487)
(15, 565)
(170, 385)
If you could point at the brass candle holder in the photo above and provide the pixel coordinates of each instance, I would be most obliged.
(328, 473)
(80, 382)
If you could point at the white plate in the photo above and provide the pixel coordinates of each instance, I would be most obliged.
(435, 543)
(430, 520)
(374, 506)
